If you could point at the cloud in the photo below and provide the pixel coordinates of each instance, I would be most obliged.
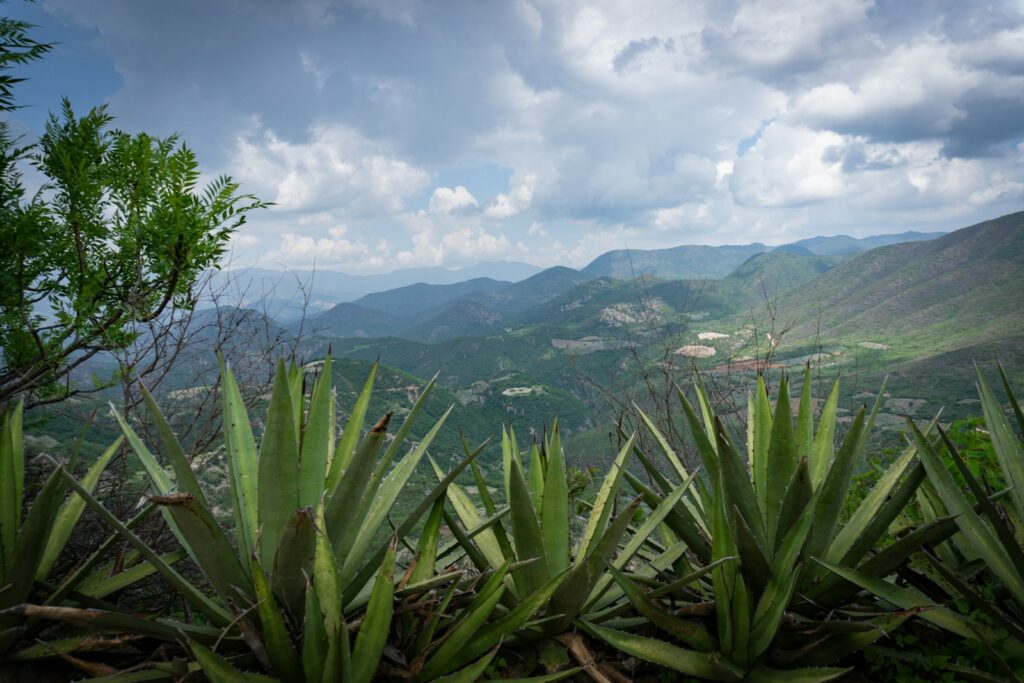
(444, 133)
(334, 167)
(446, 200)
(514, 202)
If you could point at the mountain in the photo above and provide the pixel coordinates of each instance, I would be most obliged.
(844, 244)
(923, 311)
(542, 287)
(676, 263)
(414, 301)
(327, 287)
(353, 320)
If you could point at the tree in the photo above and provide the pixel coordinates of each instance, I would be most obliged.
(116, 237)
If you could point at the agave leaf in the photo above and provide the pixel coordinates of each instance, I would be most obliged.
(823, 446)
(798, 493)
(346, 447)
(492, 634)
(296, 389)
(473, 617)
(535, 477)
(207, 544)
(554, 512)
(1014, 405)
(833, 490)
(527, 534)
(1008, 448)
(872, 517)
(279, 464)
(71, 511)
(470, 673)
(284, 660)
(679, 519)
(762, 432)
(22, 564)
(467, 512)
(243, 467)
(662, 442)
(317, 440)
(294, 562)
(343, 506)
(598, 519)
(907, 599)
(11, 463)
(838, 646)
(363, 576)
(805, 418)
(689, 662)
(104, 585)
(705, 446)
(692, 633)
(1003, 530)
(973, 528)
(763, 674)
(183, 474)
(194, 596)
(426, 635)
(426, 548)
(642, 534)
(782, 458)
(385, 497)
(547, 678)
(102, 620)
(736, 487)
(216, 668)
(314, 638)
(373, 632)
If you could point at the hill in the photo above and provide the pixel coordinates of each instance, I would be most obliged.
(844, 244)
(676, 263)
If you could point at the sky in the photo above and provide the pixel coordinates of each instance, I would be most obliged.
(400, 133)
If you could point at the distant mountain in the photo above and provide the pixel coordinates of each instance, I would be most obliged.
(245, 286)
(675, 263)
(844, 244)
(543, 286)
(415, 301)
(353, 320)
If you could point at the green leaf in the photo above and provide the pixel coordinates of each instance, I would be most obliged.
(317, 440)
(782, 459)
(689, 662)
(71, 511)
(243, 467)
(1008, 448)
(692, 633)
(823, 446)
(346, 447)
(279, 467)
(554, 514)
(526, 533)
(294, 562)
(284, 660)
(183, 475)
(426, 548)
(602, 509)
(471, 673)
(373, 632)
(974, 530)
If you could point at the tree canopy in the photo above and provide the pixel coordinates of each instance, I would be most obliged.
(116, 234)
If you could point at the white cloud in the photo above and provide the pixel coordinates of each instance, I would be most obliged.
(788, 166)
(336, 167)
(446, 200)
(517, 200)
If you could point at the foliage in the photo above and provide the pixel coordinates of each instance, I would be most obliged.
(117, 234)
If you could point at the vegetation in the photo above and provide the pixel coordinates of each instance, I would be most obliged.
(116, 237)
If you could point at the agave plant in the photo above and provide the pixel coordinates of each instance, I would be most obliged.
(32, 542)
(307, 558)
(984, 563)
(553, 576)
(758, 523)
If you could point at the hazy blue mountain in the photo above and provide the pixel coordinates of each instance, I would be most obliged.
(415, 301)
(352, 320)
(844, 244)
(327, 287)
(675, 263)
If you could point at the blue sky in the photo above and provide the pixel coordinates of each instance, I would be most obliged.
(399, 133)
